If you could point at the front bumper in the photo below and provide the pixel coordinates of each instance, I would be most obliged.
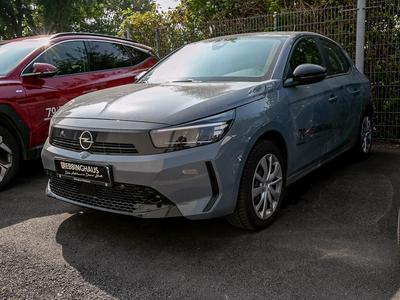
(192, 180)
(117, 199)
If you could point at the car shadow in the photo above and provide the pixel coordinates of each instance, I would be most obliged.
(25, 197)
(376, 178)
(178, 258)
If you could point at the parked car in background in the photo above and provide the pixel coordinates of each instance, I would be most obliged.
(219, 128)
(40, 74)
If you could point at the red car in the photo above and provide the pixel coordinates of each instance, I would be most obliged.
(40, 74)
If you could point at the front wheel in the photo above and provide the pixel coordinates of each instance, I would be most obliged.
(261, 188)
(9, 157)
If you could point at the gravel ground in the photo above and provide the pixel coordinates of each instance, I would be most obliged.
(335, 239)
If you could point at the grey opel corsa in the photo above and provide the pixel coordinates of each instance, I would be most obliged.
(218, 128)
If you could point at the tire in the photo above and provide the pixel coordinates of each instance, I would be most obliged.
(258, 211)
(10, 156)
(398, 228)
(364, 138)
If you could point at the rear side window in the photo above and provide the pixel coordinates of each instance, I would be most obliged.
(105, 55)
(305, 52)
(68, 57)
(138, 56)
(336, 61)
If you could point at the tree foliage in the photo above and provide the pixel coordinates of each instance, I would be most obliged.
(28, 17)
(193, 19)
(16, 17)
(207, 10)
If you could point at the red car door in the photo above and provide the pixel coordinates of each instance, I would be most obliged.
(45, 95)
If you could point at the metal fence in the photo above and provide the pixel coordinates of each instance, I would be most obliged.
(382, 45)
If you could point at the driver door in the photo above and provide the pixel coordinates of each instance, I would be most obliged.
(308, 115)
(46, 94)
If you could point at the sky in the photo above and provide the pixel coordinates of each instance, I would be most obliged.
(165, 4)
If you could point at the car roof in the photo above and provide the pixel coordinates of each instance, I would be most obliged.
(65, 35)
(287, 34)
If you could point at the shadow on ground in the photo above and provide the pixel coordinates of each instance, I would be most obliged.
(335, 237)
(25, 198)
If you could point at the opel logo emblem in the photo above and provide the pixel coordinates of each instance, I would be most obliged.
(86, 140)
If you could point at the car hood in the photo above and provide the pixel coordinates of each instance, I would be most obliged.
(170, 104)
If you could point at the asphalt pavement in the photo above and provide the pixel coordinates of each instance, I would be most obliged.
(334, 239)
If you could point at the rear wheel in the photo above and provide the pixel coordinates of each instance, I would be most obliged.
(364, 142)
(398, 229)
(261, 189)
(9, 157)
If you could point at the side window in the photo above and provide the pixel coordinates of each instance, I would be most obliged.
(337, 62)
(68, 57)
(305, 52)
(137, 55)
(106, 55)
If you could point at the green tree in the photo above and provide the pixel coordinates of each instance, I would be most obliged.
(16, 18)
(176, 28)
(141, 26)
(56, 15)
(207, 10)
(27, 17)
(102, 16)
(106, 16)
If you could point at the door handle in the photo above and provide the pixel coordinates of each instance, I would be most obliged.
(355, 92)
(333, 99)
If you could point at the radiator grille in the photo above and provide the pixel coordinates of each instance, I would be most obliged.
(125, 198)
(69, 139)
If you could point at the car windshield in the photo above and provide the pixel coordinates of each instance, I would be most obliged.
(228, 59)
(12, 53)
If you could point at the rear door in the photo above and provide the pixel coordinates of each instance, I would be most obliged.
(46, 95)
(340, 82)
(114, 64)
(307, 107)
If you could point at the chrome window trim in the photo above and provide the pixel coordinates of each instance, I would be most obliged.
(83, 40)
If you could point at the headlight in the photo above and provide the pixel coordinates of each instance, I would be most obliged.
(51, 125)
(193, 134)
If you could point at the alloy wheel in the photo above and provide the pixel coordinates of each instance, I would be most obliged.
(6, 158)
(366, 134)
(267, 186)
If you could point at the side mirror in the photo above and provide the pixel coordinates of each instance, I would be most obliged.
(308, 73)
(42, 70)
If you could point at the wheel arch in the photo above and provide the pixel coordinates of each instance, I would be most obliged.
(277, 138)
(369, 109)
(11, 121)
(272, 134)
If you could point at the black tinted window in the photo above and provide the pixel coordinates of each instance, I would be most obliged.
(305, 52)
(336, 61)
(137, 55)
(68, 57)
(105, 55)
